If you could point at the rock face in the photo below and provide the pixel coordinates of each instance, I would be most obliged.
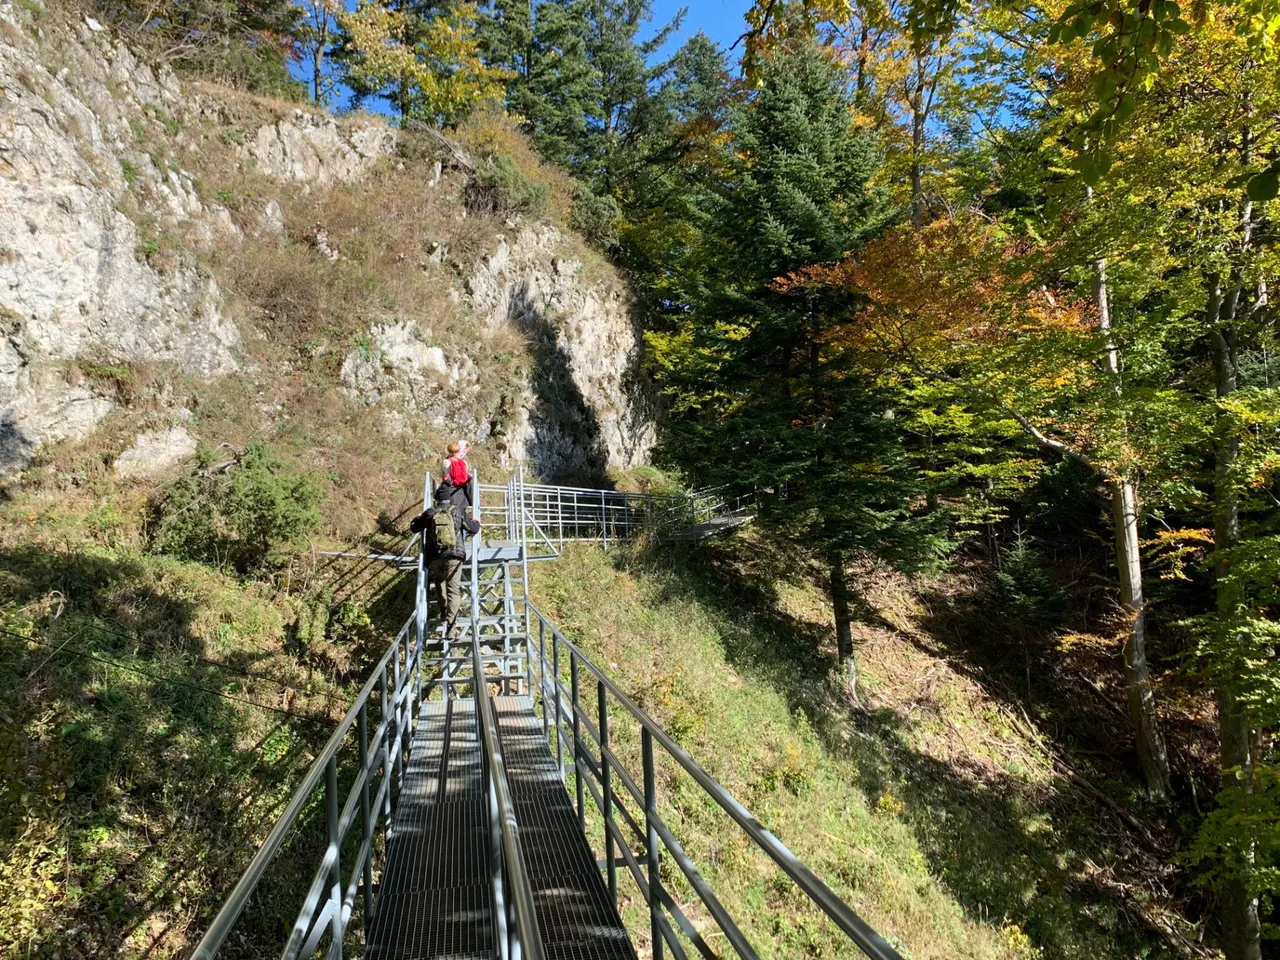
(154, 452)
(585, 410)
(312, 148)
(72, 280)
(93, 184)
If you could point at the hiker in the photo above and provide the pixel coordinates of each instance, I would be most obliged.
(443, 550)
(457, 475)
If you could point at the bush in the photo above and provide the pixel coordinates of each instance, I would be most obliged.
(501, 187)
(1024, 589)
(238, 516)
(596, 218)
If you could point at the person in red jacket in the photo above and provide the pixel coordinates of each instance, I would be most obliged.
(457, 474)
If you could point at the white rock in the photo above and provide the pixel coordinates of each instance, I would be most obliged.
(71, 280)
(272, 219)
(154, 452)
(309, 148)
(93, 25)
(583, 409)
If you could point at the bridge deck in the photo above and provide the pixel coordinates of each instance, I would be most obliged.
(434, 900)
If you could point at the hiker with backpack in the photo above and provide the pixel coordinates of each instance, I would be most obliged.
(442, 527)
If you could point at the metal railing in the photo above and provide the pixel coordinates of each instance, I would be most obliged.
(701, 506)
(325, 915)
(515, 918)
(557, 515)
(329, 903)
(583, 733)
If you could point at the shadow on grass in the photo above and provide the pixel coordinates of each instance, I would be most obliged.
(135, 791)
(1009, 851)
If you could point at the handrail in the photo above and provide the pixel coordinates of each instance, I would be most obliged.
(871, 943)
(222, 924)
(523, 905)
(502, 806)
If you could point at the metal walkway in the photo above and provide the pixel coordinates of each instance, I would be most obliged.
(437, 898)
(449, 808)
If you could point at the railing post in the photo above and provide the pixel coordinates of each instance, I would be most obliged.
(542, 675)
(385, 747)
(495, 845)
(606, 787)
(604, 522)
(577, 742)
(335, 846)
(397, 710)
(366, 822)
(555, 696)
(651, 844)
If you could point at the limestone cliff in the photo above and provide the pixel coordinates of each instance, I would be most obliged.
(107, 220)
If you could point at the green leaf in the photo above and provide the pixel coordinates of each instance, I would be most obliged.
(1088, 167)
(1178, 26)
(1265, 185)
(1124, 109)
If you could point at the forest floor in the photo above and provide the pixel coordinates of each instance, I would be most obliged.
(972, 802)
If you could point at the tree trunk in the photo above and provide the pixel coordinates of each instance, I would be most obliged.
(860, 82)
(1153, 756)
(317, 72)
(1241, 933)
(844, 622)
(917, 146)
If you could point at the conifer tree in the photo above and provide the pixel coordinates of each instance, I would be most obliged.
(761, 397)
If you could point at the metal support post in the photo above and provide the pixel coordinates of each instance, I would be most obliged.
(335, 851)
(542, 675)
(385, 747)
(579, 787)
(366, 821)
(651, 843)
(555, 696)
(606, 786)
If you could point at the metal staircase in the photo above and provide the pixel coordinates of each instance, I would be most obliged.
(460, 790)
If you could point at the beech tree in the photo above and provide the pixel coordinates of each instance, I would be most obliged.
(426, 62)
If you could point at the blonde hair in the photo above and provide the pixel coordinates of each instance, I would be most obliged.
(454, 448)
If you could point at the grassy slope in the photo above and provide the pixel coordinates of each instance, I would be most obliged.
(932, 808)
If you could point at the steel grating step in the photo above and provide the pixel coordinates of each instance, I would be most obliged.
(434, 899)
(577, 919)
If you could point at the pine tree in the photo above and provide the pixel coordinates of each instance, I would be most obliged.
(761, 397)
(581, 79)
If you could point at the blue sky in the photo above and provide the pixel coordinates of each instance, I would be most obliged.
(721, 20)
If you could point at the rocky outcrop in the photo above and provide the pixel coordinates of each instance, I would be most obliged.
(400, 364)
(100, 222)
(73, 279)
(155, 451)
(582, 410)
(311, 148)
(585, 409)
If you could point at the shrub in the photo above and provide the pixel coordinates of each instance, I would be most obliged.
(595, 218)
(236, 516)
(501, 187)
